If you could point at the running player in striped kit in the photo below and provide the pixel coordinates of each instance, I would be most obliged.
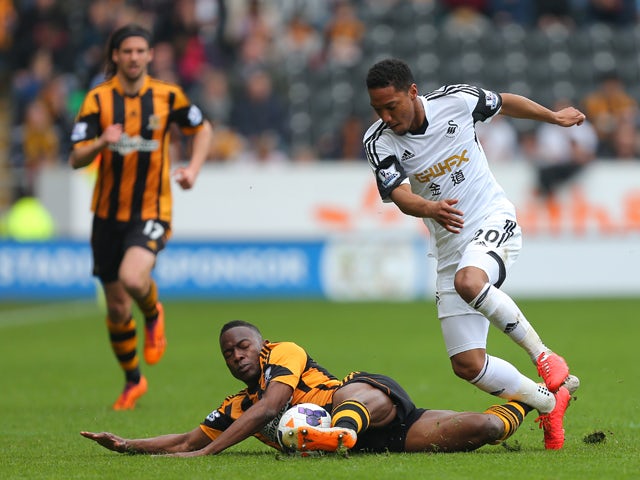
(125, 123)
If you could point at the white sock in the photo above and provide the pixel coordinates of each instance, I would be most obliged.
(502, 312)
(500, 378)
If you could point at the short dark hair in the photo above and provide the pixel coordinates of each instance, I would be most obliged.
(390, 72)
(239, 323)
(116, 39)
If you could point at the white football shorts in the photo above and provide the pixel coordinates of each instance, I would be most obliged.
(494, 248)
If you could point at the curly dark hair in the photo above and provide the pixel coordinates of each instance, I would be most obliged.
(390, 72)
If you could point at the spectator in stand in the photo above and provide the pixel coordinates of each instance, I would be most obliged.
(35, 143)
(97, 27)
(28, 82)
(7, 23)
(42, 24)
(561, 153)
(226, 145)
(300, 40)
(614, 114)
(182, 29)
(551, 13)
(55, 96)
(253, 18)
(263, 149)
(119, 14)
(259, 109)
(164, 63)
(614, 12)
(254, 53)
(213, 95)
(303, 153)
(343, 35)
(504, 12)
(251, 30)
(466, 17)
(350, 139)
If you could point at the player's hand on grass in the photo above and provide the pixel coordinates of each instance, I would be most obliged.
(107, 440)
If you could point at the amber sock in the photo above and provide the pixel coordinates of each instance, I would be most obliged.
(512, 415)
(149, 304)
(124, 342)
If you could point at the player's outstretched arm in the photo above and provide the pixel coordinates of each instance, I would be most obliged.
(171, 443)
(250, 422)
(517, 106)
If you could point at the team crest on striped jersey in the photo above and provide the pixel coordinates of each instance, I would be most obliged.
(154, 122)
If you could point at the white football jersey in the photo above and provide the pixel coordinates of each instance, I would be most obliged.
(443, 161)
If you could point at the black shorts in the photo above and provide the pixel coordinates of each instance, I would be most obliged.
(391, 437)
(110, 239)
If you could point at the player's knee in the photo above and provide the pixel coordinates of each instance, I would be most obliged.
(134, 283)
(468, 282)
(483, 429)
(492, 428)
(379, 405)
(465, 372)
(467, 366)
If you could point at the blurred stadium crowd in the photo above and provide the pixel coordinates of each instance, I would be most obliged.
(283, 80)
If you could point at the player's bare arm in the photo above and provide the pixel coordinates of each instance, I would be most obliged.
(171, 443)
(186, 176)
(196, 443)
(250, 422)
(442, 211)
(517, 106)
(84, 155)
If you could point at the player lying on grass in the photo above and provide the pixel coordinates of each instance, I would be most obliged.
(370, 412)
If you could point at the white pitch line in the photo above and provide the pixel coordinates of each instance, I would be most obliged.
(47, 313)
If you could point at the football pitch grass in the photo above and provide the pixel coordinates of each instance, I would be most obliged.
(59, 377)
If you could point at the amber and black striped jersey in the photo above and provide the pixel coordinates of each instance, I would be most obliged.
(283, 362)
(133, 180)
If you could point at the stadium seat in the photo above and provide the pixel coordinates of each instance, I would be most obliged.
(580, 44)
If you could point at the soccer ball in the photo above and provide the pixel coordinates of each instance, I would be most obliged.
(302, 415)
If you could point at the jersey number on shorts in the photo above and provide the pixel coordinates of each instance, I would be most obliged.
(153, 229)
(496, 236)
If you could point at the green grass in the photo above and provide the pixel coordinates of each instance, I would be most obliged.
(59, 377)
